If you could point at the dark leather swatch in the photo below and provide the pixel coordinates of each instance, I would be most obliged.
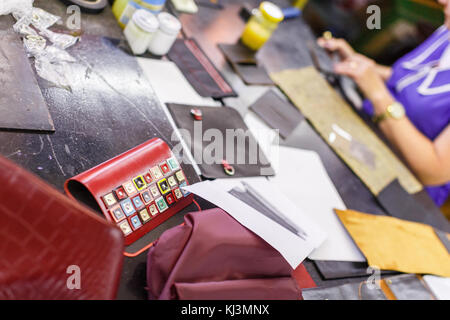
(277, 113)
(400, 204)
(199, 70)
(345, 269)
(253, 74)
(222, 118)
(238, 53)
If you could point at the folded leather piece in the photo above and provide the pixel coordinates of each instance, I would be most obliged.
(214, 257)
(310, 92)
(199, 70)
(277, 113)
(245, 156)
(46, 237)
(393, 244)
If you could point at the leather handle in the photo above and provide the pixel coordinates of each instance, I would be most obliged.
(90, 6)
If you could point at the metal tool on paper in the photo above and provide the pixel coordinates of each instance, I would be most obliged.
(254, 199)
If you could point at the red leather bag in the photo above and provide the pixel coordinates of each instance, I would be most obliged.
(51, 247)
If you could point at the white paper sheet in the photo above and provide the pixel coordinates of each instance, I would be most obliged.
(301, 176)
(439, 286)
(292, 247)
(170, 85)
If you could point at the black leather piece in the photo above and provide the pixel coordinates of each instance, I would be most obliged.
(344, 269)
(222, 118)
(253, 74)
(277, 113)
(400, 204)
(238, 53)
(199, 70)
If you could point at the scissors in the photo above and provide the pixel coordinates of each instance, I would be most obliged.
(89, 6)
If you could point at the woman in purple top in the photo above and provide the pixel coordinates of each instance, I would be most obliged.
(411, 103)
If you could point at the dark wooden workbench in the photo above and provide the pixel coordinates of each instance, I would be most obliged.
(81, 141)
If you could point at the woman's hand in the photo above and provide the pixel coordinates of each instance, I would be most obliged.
(364, 72)
(337, 45)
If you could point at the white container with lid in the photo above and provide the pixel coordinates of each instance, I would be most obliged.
(169, 27)
(140, 30)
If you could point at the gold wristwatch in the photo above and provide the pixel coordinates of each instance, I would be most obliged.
(394, 111)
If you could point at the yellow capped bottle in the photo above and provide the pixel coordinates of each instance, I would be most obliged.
(261, 25)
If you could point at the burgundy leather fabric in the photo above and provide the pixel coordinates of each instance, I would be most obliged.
(211, 256)
(42, 233)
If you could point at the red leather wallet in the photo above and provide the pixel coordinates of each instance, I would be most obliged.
(51, 246)
(137, 190)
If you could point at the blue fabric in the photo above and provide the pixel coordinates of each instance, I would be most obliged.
(430, 113)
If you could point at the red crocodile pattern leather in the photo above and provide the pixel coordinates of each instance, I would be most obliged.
(42, 233)
(107, 176)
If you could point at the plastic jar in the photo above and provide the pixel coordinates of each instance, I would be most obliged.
(169, 27)
(261, 25)
(140, 30)
(123, 10)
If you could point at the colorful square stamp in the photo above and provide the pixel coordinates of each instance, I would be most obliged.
(178, 194)
(135, 222)
(164, 167)
(154, 191)
(125, 227)
(145, 217)
(163, 186)
(117, 214)
(173, 163)
(130, 189)
(170, 198)
(156, 173)
(109, 200)
(153, 210)
(172, 182)
(127, 207)
(146, 196)
(162, 205)
(137, 201)
(139, 182)
(148, 178)
(120, 193)
(180, 176)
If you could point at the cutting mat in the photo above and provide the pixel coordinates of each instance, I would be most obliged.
(22, 106)
(324, 108)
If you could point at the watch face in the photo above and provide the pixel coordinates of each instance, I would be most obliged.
(396, 110)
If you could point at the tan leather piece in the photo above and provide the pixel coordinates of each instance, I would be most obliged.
(393, 244)
(310, 92)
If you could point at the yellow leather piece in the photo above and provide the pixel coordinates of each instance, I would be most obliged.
(393, 244)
